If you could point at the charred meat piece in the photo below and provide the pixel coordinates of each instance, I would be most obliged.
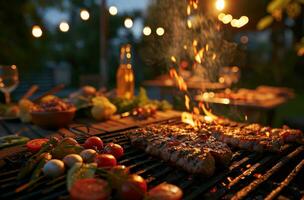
(192, 150)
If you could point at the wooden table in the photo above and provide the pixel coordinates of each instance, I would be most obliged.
(79, 125)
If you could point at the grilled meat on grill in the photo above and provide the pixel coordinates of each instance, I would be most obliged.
(194, 151)
(253, 137)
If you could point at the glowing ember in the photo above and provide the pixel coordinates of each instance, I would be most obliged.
(257, 175)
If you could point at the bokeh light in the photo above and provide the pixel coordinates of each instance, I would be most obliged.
(160, 31)
(147, 31)
(84, 14)
(220, 5)
(244, 39)
(64, 27)
(128, 23)
(227, 19)
(221, 16)
(36, 31)
(113, 10)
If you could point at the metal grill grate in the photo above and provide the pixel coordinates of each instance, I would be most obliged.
(250, 175)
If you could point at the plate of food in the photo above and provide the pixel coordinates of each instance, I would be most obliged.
(9, 112)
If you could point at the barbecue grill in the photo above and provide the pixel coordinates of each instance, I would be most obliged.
(249, 176)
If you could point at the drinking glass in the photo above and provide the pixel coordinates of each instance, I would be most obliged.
(8, 80)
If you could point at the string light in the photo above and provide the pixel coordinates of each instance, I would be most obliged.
(243, 20)
(113, 10)
(227, 19)
(221, 16)
(128, 23)
(64, 27)
(235, 23)
(84, 14)
(220, 5)
(160, 31)
(36, 31)
(147, 31)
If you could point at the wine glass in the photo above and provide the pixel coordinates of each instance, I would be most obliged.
(8, 80)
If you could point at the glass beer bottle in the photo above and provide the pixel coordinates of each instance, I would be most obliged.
(125, 74)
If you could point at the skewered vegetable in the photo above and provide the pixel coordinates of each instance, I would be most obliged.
(72, 159)
(65, 147)
(165, 191)
(90, 189)
(80, 171)
(53, 168)
(115, 149)
(134, 188)
(36, 144)
(88, 155)
(105, 160)
(12, 140)
(93, 143)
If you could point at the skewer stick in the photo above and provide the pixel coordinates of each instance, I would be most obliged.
(284, 183)
(50, 92)
(30, 92)
(253, 185)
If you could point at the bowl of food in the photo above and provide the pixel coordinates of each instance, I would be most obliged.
(53, 114)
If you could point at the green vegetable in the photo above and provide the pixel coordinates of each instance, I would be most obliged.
(103, 109)
(12, 140)
(35, 159)
(36, 173)
(80, 171)
(61, 150)
(141, 100)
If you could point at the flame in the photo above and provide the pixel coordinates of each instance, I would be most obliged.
(209, 116)
(199, 56)
(267, 134)
(187, 102)
(180, 81)
(188, 118)
(191, 119)
(188, 10)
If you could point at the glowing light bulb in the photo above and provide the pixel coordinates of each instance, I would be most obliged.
(221, 16)
(147, 31)
(243, 20)
(220, 5)
(160, 31)
(36, 31)
(84, 14)
(227, 19)
(113, 10)
(128, 23)
(234, 23)
(64, 27)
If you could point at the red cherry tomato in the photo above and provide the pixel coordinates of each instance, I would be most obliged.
(90, 189)
(134, 188)
(118, 173)
(115, 149)
(120, 170)
(165, 191)
(105, 160)
(36, 144)
(93, 143)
